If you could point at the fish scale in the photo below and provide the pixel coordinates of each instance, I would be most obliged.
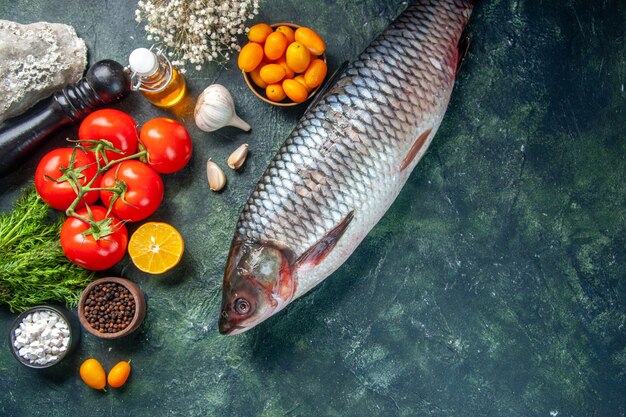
(352, 151)
(359, 145)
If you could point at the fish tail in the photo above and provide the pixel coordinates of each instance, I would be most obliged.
(445, 10)
(459, 4)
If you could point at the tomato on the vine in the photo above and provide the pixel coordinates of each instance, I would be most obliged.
(81, 246)
(141, 190)
(113, 125)
(168, 144)
(51, 182)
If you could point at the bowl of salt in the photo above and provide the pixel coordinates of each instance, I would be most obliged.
(42, 336)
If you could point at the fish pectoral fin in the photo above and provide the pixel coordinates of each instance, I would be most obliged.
(316, 253)
(417, 145)
(463, 49)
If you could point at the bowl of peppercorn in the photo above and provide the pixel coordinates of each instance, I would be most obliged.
(111, 307)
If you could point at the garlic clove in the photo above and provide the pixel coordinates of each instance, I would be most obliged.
(215, 109)
(215, 175)
(238, 157)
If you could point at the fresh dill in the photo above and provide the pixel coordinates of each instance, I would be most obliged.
(33, 268)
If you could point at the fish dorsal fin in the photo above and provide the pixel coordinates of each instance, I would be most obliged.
(417, 145)
(316, 253)
(327, 85)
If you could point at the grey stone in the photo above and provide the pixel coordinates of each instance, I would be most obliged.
(36, 60)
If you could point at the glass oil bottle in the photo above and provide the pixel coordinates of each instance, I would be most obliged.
(156, 78)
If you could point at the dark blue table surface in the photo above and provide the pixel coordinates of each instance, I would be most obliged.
(494, 286)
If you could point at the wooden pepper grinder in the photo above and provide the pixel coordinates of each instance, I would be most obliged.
(105, 82)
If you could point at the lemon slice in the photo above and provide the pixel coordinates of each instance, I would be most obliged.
(156, 247)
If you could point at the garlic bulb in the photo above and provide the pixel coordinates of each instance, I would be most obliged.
(215, 175)
(215, 109)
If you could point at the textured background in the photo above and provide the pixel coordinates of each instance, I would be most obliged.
(494, 286)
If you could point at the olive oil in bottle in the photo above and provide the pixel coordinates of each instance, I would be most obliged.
(156, 78)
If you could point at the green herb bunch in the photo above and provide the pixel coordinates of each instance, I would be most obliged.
(33, 268)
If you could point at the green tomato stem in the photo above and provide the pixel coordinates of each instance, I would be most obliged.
(112, 189)
(82, 190)
(91, 222)
(126, 158)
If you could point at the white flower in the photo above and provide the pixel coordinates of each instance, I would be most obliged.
(196, 31)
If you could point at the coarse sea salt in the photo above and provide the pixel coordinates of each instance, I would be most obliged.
(41, 337)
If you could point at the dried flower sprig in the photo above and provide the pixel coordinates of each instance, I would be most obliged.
(196, 31)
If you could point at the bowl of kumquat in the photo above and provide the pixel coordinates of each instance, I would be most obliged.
(284, 64)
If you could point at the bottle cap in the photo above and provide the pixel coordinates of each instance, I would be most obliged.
(143, 62)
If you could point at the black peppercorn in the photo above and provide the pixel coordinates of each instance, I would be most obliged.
(109, 307)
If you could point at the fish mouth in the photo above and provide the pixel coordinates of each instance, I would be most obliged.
(231, 329)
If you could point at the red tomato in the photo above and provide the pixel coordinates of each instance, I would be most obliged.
(113, 125)
(168, 144)
(84, 250)
(144, 190)
(60, 194)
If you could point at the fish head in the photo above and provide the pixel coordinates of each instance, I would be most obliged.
(257, 284)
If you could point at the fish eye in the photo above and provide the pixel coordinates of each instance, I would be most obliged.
(242, 306)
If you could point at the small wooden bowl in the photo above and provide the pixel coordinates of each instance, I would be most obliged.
(140, 307)
(259, 91)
